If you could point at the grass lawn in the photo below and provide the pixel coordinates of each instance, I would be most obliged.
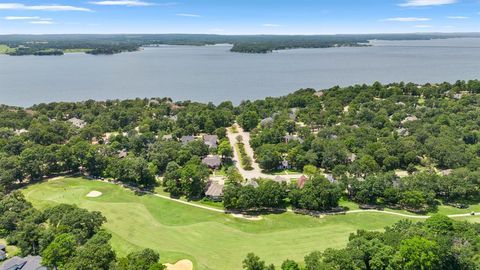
(205, 202)
(11, 250)
(211, 240)
(4, 49)
(286, 172)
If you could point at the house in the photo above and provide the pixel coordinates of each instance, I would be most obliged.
(26, 263)
(293, 114)
(266, 122)
(284, 165)
(214, 191)
(211, 141)
(319, 93)
(213, 162)
(153, 102)
(187, 139)
(457, 96)
(3, 252)
(446, 172)
(167, 137)
(122, 153)
(20, 131)
(174, 118)
(79, 123)
(403, 132)
(410, 118)
(301, 181)
(289, 138)
(330, 178)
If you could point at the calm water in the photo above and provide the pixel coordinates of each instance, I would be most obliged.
(214, 74)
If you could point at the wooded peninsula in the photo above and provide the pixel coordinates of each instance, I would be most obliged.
(17, 45)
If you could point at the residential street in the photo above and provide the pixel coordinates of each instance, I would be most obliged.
(257, 171)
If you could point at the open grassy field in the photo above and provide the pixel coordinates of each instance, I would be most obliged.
(4, 49)
(211, 240)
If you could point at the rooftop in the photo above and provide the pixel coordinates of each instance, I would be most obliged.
(77, 122)
(187, 139)
(27, 263)
(210, 140)
(214, 190)
(212, 161)
(301, 181)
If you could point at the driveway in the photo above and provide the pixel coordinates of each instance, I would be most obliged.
(257, 171)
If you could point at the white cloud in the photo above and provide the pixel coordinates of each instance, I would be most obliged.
(423, 26)
(18, 6)
(424, 3)
(41, 22)
(271, 25)
(407, 19)
(128, 3)
(458, 17)
(18, 18)
(188, 15)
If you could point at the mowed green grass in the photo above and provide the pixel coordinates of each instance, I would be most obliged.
(4, 49)
(211, 240)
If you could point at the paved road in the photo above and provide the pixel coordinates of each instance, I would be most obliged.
(257, 171)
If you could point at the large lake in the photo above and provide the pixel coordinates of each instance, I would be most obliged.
(212, 73)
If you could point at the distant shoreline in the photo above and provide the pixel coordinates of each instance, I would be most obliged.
(46, 45)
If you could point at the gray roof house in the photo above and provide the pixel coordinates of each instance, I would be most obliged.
(410, 118)
(167, 137)
(187, 139)
(3, 252)
(213, 162)
(319, 93)
(266, 122)
(331, 179)
(210, 140)
(214, 191)
(79, 123)
(27, 263)
(288, 138)
(123, 153)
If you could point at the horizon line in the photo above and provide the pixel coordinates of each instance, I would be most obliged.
(216, 34)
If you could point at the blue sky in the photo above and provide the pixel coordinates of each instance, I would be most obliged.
(238, 16)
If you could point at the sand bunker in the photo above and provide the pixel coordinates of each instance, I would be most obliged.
(94, 194)
(180, 265)
(252, 218)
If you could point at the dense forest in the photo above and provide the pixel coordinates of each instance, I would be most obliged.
(399, 145)
(112, 44)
